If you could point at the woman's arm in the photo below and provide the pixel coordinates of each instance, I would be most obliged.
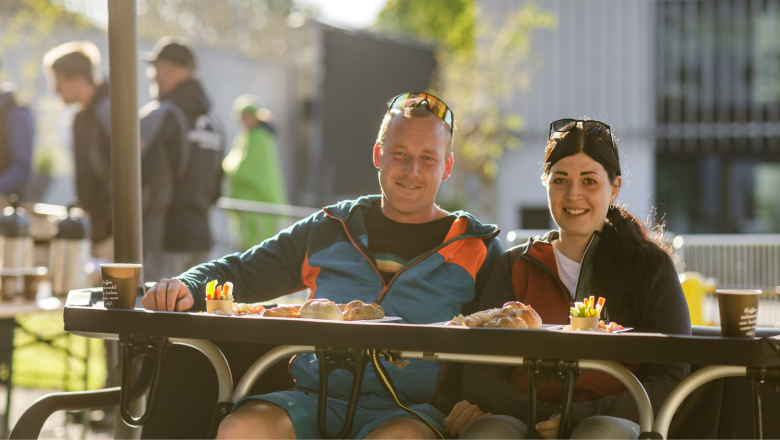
(668, 314)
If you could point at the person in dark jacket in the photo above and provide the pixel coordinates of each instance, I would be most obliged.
(75, 70)
(601, 250)
(399, 249)
(16, 142)
(181, 164)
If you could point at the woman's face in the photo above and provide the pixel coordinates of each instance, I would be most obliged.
(579, 194)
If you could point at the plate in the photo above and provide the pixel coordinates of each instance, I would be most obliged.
(567, 328)
(385, 319)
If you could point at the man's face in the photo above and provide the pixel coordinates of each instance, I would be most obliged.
(67, 88)
(412, 164)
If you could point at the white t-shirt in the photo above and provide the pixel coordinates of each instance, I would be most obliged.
(569, 271)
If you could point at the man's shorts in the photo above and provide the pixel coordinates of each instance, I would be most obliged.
(372, 410)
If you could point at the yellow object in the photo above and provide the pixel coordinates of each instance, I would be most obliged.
(695, 287)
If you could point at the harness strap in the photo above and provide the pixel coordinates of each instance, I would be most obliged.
(387, 384)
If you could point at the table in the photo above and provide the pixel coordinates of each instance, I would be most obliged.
(500, 346)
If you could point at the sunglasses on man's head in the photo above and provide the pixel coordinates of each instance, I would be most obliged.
(414, 99)
(589, 127)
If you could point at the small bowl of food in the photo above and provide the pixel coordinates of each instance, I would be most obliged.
(219, 297)
(585, 315)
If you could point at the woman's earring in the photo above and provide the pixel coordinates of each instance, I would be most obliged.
(611, 206)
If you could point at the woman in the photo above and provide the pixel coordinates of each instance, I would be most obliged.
(602, 250)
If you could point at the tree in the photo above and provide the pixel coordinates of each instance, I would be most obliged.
(483, 61)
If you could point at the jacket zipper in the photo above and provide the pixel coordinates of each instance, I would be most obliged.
(584, 254)
(386, 287)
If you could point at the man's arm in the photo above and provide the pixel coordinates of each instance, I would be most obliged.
(266, 271)
(21, 134)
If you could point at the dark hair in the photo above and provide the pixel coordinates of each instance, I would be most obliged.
(76, 58)
(628, 255)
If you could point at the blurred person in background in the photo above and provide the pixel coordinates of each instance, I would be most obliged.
(254, 170)
(181, 163)
(16, 142)
(74, 69)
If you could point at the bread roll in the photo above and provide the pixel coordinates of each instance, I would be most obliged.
(529, 315)
(512, 305)
(512, 322)
(321, 308)
(479, 319)
(277, 312)
(353, 304)
(365, 311)
(293, 311)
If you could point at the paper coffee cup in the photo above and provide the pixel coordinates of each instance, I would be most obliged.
(738, 312)
(120, 285)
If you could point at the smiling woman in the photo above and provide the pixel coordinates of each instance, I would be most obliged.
(601, 250)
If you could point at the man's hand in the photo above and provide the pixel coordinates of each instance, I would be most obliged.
(461, 415)
(168, 295)
(549, 428)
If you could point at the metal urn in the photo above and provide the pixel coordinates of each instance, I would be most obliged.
(16, 248)
(70, 254)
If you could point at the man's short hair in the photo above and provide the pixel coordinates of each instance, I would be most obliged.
(76, 58)
(421, 111)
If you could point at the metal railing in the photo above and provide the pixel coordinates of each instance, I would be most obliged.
(252, 207)
(734, 261)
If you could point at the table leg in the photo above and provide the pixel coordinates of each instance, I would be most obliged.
(686, 387)
(531, 374)
(7, 327)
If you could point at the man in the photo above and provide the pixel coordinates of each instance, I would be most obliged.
(181, 170)
(399, 249)
(75, 71)
(16, 142)
(254, 170)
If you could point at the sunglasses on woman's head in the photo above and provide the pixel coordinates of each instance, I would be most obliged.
(414, 99)
(589, 127)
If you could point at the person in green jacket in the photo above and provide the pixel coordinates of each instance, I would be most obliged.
(254, 170)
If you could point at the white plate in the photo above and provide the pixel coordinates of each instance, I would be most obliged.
(385, 319)
(567, 328)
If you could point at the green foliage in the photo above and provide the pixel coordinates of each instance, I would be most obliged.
(483, 62)
(248, 27)
(449, 22)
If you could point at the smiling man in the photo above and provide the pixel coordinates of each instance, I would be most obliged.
(399, 249)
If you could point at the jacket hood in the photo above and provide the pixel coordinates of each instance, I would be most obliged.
(344, 210)
(190, 97)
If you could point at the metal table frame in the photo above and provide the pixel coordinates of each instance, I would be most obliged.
(452, 345)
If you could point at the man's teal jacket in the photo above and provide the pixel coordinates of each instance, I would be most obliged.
(328, 253)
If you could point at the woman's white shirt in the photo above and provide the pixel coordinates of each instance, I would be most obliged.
(568, 271)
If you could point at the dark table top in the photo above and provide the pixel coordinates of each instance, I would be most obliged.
(543, 344)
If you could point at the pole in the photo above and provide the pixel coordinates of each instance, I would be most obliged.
(125, 150)
(125, 154)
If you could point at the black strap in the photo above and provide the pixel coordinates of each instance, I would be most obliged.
(387, 384)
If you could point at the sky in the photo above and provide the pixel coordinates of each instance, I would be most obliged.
(355, 14)
(348, 13)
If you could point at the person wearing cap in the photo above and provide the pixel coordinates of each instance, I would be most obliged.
(74, 69)
(181, 172)
(254, 170)
(16, 141)
(398, 248)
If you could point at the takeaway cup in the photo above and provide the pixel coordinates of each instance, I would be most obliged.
(32, 276)
(120, 285)
(738, 312)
